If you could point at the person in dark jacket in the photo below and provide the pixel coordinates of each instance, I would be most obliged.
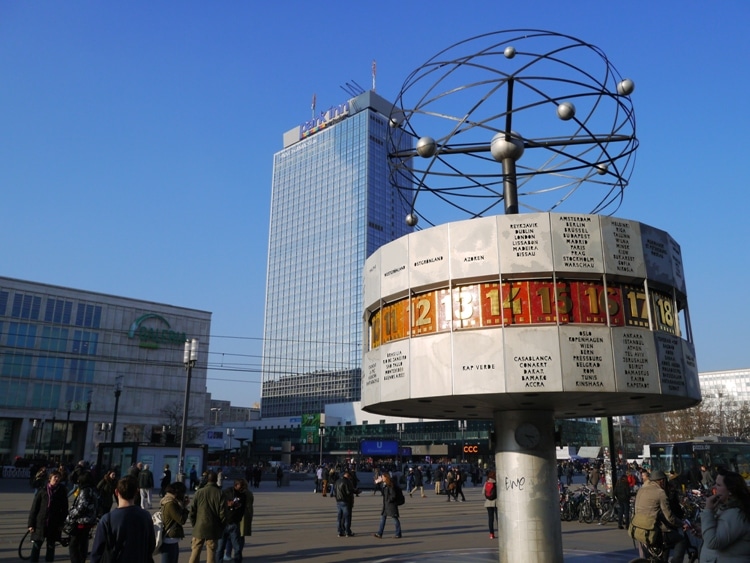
(126, 533)
(82, 517)
(208, 517)
(166, 479)
(343, 489)
(235, 510)
(390, 505)
(106, 489)
(47, 516)
(145, 484)
(622, 496)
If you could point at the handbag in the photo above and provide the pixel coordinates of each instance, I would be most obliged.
(644, 529)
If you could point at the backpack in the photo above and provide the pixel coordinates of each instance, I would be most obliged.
(490, 490)
(399, 494)
(158, 531)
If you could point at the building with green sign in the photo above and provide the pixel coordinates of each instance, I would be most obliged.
(64, 353)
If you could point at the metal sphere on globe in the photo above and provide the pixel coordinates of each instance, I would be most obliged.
(426, 147)
(502, 149)
(602, 168)
(412, 219)
(509, 52)
(566, 111)
(625, 87)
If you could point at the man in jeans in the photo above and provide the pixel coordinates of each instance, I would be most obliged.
(230, 547)
(344, 491)
(208, 517)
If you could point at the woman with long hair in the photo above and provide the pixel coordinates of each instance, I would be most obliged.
(390, 504)
(725, 524)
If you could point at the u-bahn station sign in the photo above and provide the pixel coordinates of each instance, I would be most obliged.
(577, 314)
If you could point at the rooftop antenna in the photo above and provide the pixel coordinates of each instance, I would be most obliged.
(312, 107)
(374, 72)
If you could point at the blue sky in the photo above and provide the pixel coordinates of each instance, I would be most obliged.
(136, 140)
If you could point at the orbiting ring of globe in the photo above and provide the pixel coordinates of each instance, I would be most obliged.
(519, 120)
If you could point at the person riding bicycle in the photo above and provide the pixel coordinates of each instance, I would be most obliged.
(651, 501)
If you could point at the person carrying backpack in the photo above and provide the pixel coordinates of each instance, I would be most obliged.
(490, 501)
(82, 517)
(393, 497)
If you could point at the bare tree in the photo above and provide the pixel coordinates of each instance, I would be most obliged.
(172, 413)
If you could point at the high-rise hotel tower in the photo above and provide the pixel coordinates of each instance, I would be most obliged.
(332, 205)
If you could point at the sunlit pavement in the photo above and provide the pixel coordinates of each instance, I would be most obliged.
(293, 524)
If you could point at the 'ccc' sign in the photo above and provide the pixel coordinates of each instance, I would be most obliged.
(471, 449)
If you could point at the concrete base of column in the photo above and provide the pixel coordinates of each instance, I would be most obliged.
(527, 495)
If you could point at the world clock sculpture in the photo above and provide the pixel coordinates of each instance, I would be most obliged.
(522, 317)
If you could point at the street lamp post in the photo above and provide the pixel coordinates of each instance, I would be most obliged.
(65, 434)
(190, 357)
(118, 392)
(51, 434)
(216, 411)
(86, 424)
(321, 435)
(38, 431)
(400, 430)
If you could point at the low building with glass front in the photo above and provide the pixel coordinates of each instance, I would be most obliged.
(78, 368)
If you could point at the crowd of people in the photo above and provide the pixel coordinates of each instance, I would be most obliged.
(723, 532)
(120, 510)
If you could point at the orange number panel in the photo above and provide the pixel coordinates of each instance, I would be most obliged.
(515, 303)
(635, 305)
(375, 330)
(490, 298)
(424, 318)
(395, 321)
(664, 311)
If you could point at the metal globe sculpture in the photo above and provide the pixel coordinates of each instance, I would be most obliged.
(555, 96)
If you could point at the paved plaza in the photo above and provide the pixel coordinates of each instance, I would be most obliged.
(293, 524)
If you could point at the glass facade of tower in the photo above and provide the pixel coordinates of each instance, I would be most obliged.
(331, 207)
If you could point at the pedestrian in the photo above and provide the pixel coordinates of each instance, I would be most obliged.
(146, 483)
(135, 470)
(450, 485)
(48, 511)
(229, 543)
(193, 478)
(459, 478)
(166, 479)
(246, 524)
(622, 496)
(318, 479)
(40, 479)
(279, 476)
(208, 517)
(106, 490)
(343, 489)
(220, 477)
(439, 476)
(418, 482)
(82, 517)
(725, 523)
(391, 498)
(652, 507)
(125, 534)
(174, 514)
(707, 480)
(490, 501)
